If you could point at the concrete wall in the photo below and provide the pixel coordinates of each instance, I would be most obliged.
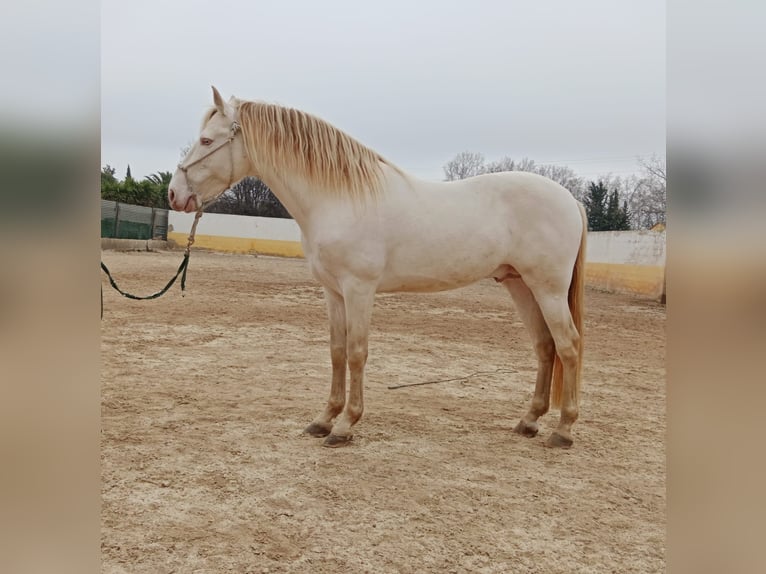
(238, 234)
(623, 261)
(627, 261)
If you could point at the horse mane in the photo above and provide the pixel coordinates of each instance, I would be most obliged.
(328, 159)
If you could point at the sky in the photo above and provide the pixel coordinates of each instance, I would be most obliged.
(572, 83)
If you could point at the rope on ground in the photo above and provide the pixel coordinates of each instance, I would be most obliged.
(463, 378)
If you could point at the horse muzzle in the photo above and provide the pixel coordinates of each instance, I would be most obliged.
(177, 202)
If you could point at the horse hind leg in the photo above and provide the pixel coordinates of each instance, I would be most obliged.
(556, 311)
(545, 350)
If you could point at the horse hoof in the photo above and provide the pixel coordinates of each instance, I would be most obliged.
(317, 430)
(334, 441)
(526, 429)
(557, 440)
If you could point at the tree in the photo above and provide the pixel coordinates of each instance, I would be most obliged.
(109, 183)
(150, 192)
(565, 177)
(623, 222)
(468, 164)
(465, 164)
(603, 209)
(503, 164)
(160, 179)
(249, 197)
(649, 201)
(156, 189)
(644, 196)
(617, 218)
(595, 206)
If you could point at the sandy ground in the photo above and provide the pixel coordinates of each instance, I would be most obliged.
(205, 396)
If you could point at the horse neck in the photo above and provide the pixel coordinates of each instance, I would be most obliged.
(310, 208)
(293, 193)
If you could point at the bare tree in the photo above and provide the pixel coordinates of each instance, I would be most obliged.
(249, 197)
(648, 198)
(509, 164)
(654, 167)
(504, 164)
(565, 177)
(465, 164)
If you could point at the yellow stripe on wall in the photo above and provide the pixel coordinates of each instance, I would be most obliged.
(645, 280)
(241, 244)
(640, 279)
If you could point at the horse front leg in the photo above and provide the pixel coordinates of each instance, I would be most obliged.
(359, 298)
(336, 310)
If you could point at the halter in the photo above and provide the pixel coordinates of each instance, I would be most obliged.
(235, 128)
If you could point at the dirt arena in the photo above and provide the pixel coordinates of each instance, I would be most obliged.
(205, 470)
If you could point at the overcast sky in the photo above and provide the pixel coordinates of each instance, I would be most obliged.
(575, 83)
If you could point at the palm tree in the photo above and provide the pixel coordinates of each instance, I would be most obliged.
(160, 179)
(159, 182)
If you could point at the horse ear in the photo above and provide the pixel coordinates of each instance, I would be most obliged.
(218, 101)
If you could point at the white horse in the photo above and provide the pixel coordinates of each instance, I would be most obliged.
(369, 227)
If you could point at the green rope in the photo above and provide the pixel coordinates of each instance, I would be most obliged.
(181, 271)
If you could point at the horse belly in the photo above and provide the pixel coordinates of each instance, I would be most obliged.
(422, 284)
(435, 267)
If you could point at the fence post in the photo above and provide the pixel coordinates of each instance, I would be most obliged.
(116, 219)
(154, 214)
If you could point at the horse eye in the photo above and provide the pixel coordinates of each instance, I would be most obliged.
(205, 141)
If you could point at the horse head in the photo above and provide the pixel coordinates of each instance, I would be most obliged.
(215, 162)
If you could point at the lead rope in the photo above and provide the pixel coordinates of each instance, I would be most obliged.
(187, 251)
(181, 271)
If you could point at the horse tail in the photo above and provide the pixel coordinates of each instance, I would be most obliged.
(576, 308)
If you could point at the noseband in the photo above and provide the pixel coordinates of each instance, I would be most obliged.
(235, 128)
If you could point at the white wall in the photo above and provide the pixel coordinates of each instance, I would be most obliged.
(621, 247)
(236, 226)
(627, 262)
(623, 261)
(626, 247)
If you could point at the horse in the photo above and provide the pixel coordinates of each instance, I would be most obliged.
(369, 227)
